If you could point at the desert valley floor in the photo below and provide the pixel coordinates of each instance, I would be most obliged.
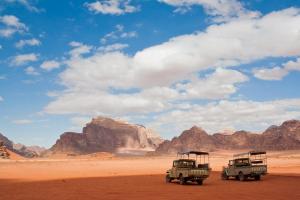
(108, 177)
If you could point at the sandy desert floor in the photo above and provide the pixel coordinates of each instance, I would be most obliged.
(107, 177)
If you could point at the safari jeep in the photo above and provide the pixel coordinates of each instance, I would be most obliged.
(187, 169)
(252, 164)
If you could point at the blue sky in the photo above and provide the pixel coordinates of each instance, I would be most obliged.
(168, 64)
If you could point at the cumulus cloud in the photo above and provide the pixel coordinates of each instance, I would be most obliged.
(277, 73)
(165, 77)
(112, 7)
(49, 65)
(12, 25)
(79, 49)
(31, 42)
(24, 59)
(31, 71)
(12, 21)
(225, 114)
(220, 10)
(219, 85)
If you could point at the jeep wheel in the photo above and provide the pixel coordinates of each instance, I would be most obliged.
(168, 178)
(224, 176)
(257, 178)
(182, 180)
(242, 177)
(200, 182)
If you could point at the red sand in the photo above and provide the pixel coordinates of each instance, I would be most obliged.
(139, 178)
(271, 187)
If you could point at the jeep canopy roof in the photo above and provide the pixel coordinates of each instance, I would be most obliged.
(250, 153)
(193, 152)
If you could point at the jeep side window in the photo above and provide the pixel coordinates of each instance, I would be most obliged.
(175, 163)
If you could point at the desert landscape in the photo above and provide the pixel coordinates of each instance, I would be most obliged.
(149, 100)
(110, 177)
(128, 170)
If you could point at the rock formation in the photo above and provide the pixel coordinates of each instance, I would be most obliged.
(20, 149)
(107, 135)
(283, 137)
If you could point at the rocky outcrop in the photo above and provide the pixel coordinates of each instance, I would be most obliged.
(283, 137)
(107, 135)
(286, 136)
(28, 151)
(20, 149)
(6, 142)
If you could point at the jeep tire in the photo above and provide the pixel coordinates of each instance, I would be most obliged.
(182, 180)
(242, 177)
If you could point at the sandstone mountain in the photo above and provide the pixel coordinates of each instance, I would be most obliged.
(6, 142)
(29, 151)
(21, 149)
(283, 137)
(107, 135)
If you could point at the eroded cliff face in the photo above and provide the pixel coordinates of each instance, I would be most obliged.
(283, 137)
(20, 149)
(107, 135)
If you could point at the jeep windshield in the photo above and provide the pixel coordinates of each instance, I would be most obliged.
(184, 163)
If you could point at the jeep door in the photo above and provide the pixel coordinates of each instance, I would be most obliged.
(174, 169)
(231, 168)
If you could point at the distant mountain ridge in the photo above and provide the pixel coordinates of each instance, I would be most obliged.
(26, 151)
(107, 135)
(115, 136)
(283, 137)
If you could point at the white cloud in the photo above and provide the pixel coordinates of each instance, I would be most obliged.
(130, 34)
(118, 33)
(157, 74)
(1, 47)
(1, 98)
(49, 65)
(79, 49)
(75, 44)
(2, 77)
(80, 121)
(31, 71)
(31, 42)
(221, 10)
(12, 21)
(219, 85)
(277, 73)
(24, 59)
(112, 7)
(12, 25)
(26, 4)
(221, 115)
(7, 32)
(113, 47)
(100, 103)
(22, 121)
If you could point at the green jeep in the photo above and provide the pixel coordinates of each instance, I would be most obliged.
(186, 169)
(252, 164)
